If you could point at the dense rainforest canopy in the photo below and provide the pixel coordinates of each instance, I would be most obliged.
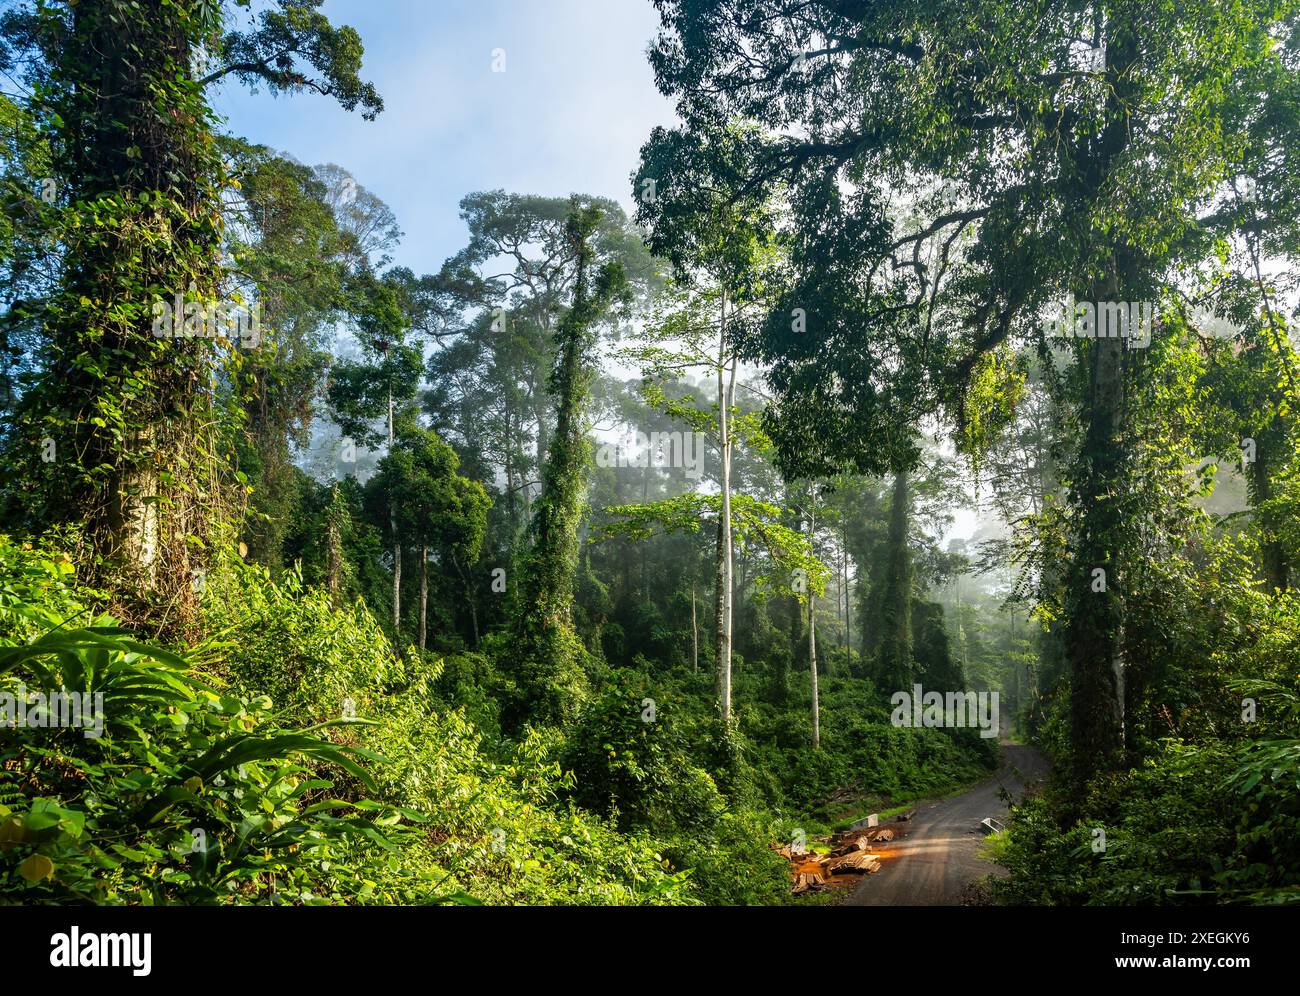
(924, 407)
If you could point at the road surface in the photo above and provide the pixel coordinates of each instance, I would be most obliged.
(937, 858)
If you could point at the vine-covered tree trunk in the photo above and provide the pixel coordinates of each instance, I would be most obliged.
(848, 599)
(334, 547)
(397, 543)
(128, 404)
(547, 650)
(695, 636)
(1275, 563)
(1094, 606)
(1093, 610)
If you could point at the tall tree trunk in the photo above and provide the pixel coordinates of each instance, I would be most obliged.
(1275, 562)
(1094, 607)
(546, 650)
(812, 634)
(641, 547)
(397, 546)
(512, 496)
(625, 559)
(724, 566)
(695, 635)
(541, 400)
(1273, 556)
(424, 593)
(333, 551)
(471, 597)
(1093, 619)
(126, 405)
(895, 669)
(721, 646)
(848, 602)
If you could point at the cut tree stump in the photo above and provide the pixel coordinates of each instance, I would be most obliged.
(851, 844)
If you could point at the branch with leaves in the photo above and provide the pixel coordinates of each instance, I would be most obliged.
(792, 568)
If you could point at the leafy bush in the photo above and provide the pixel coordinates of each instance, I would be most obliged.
(732, 864)
(202, 795)
(501, 830)
(860, 751)
(186, 795)
(632, 763)
(1201, 824)
(1154, 836)
(1212, 812)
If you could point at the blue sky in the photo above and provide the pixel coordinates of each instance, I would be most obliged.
(569, 113)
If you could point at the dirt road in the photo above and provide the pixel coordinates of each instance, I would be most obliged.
(937, 859)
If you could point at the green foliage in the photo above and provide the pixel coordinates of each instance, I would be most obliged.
(185, 793)
(547, 654)
(1170, 833)
(791, 567)
(837, 205)
(1211, 813)
(861, 754)
(326, 815)
(433, 505)
(729, 866)
(291, 643)
(895, 667)
(494, 829)
(632, 762)
(287, 39)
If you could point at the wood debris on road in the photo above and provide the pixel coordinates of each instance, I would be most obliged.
(828, 862)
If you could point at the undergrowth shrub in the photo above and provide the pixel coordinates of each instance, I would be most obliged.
(380, 798)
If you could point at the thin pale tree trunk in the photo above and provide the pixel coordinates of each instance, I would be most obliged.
(334, 560)
(695, 637)
(723, 623)
(812, 648)
(424, 592)
(812, 671)
(848, 600)
(397, 546)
